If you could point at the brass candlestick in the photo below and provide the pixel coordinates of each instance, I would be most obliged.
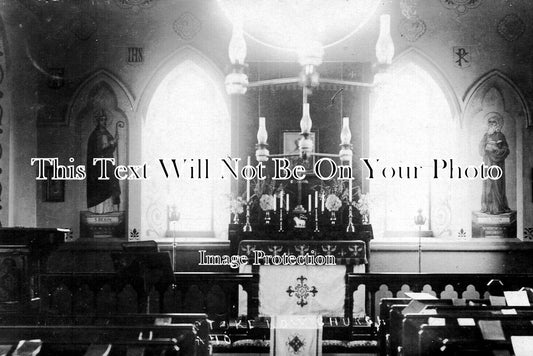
(350, 227)
(247, 226)
(316, 220)
(280, 220)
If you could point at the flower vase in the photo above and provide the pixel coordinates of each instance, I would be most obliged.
(365, 219)
(267, 217)
(333, 218)
(236, 219)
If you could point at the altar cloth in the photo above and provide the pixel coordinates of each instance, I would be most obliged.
(298, 335)
(302, 290)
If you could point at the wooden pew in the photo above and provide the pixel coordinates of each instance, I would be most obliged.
(395, 322)
(382, 285)
(199, 321)
(183, 336)
(412, 324)
(159, 347)
(386, 305)
(99, 319)
(449, 340)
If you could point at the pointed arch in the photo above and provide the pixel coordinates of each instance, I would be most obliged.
(416, 56)
(182, 54)
(183, 105)
(496, 91)
(112, 82)
(416, 114)
(499, 78)
(101, 90)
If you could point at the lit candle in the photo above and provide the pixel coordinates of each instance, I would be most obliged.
(287, 201)
(350, 190)
(323, 203)
(350, 185)
(248, 186)
(274, 205)
(281, 200)
(316, 199)
(309, 202)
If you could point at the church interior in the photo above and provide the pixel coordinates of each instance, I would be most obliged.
(266, 177)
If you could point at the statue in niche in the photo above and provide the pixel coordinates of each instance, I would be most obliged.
(103, 196)
(494, 149)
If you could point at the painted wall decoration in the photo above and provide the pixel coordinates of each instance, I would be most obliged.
(441, 223)
(56, 80)
(494, 148)
(54, 92)
(102, 91)
(412, 27)
(496, 97)
(511, 27)
(135, 5)
(462, 56)
(461, 6)
(83, 26)
(528, 233)
(135, 56)
(187, 26)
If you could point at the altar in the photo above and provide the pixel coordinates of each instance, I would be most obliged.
(303, 273)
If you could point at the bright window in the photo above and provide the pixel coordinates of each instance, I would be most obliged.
(410, 125)
(187, 119)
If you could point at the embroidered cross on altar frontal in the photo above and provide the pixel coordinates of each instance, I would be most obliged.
(302, 291)
(296, 335)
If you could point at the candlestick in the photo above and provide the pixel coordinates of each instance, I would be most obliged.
(247, 226)
(281, 212)
(350, 183)
(316, 218)
(248, 185)
(350, 227)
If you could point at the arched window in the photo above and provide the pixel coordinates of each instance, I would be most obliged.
(410, 126)
(187, 120)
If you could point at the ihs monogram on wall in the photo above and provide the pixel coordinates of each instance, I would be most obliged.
(461, 6)
(135, 56)
(187, 26)
(302, 291)
(511, 27)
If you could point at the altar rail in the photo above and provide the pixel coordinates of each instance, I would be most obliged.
(441, 285)
(213, 293)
